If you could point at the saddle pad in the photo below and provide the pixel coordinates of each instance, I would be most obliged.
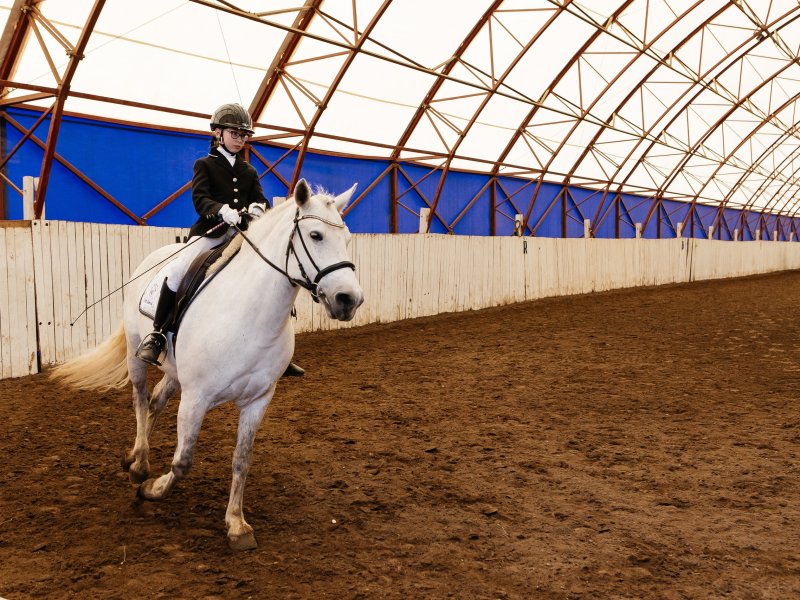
(202, 270)
(149, 299)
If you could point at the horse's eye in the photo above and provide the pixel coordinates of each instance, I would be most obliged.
(316, 236)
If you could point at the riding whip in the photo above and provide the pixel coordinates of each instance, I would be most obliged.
(217, 226)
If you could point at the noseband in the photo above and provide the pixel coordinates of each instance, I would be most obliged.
(305, 282)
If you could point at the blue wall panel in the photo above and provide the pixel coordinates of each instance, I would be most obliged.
(604, 225)
(459, 190)
(546, 213)
(337, 174)
(140, 167)
(731, 218)
(513, 197)
(678, 212)
(582, 205)
(410, 200)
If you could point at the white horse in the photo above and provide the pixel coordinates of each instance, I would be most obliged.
(235, 339)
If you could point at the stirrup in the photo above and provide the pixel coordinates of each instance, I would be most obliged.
(151, 348)
(294, 370)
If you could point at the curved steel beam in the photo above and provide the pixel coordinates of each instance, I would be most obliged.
(788, 132)
(768, 151)
(645, 48)
(495, 86)
(282, 57)
(700, 141)
(788, 184)
(15, 34)
(683, 104)
(439, 81)
(353, 52)
(63, 91)
(642, 82)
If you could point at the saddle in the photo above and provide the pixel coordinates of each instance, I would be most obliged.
(200, 272)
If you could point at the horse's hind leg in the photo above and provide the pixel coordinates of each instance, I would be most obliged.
(136, 461)
(190, 418)
(240, 533)
(161, 394)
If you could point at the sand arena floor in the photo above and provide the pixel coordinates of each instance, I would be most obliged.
(631, 444)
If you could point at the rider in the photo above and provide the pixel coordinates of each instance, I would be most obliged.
(222, 184)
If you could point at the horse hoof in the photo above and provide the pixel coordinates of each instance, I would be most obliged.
(244, 541)
(126, 460)
(137, 476)
(145, 491)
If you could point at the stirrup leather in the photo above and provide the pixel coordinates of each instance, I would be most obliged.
(151, 348)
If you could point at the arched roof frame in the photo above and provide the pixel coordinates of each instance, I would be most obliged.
(657, 156)
(678, 109)
(648, 135)
(645, 48)
(741, 102)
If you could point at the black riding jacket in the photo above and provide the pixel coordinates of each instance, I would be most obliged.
(216, 182)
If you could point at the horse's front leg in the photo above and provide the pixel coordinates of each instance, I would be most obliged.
(240, 533)
(191, 412)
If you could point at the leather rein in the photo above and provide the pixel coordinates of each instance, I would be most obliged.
(306, 282)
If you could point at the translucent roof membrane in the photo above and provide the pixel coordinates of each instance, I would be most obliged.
(681, 99)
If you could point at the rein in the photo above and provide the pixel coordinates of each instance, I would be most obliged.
(305, 282)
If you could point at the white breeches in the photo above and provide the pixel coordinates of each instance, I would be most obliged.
(176, 269)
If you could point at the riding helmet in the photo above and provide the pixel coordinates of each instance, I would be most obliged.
(232, 116)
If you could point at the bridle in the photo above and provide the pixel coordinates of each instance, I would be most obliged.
(306, 282)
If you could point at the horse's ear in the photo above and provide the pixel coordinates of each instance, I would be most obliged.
(342, 199)
(301, 192)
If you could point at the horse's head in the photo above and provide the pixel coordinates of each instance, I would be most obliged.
(320, 242)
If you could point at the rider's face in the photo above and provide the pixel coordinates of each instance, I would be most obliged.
(233, 140)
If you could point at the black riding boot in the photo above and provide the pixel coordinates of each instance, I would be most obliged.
(294, 370)
(153, 345)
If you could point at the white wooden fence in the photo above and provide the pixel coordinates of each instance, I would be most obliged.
(50, 271)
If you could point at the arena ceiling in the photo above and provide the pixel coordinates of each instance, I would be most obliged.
(691, 100)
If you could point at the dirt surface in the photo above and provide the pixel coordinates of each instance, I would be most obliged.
(632, 444)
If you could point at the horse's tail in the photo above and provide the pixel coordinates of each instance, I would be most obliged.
(104, 368)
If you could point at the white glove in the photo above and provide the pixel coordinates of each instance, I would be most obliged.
(257, 209)
(229, 215)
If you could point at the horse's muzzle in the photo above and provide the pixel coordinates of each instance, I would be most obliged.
(344, 305)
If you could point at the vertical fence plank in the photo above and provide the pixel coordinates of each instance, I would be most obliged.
(44, 290)
(26, 248)
(16, 301)
(115, 275)
(5, 308)
(30, 320)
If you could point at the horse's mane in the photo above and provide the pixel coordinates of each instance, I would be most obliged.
(264, 224)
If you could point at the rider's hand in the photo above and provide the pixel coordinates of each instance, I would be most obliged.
(229, 215)
(257, 209)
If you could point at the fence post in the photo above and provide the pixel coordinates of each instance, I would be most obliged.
(29, 186)
(711, 232)
(518, 229)
(638, 230)
(679, 229)
(587, 228)
(423, 219)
